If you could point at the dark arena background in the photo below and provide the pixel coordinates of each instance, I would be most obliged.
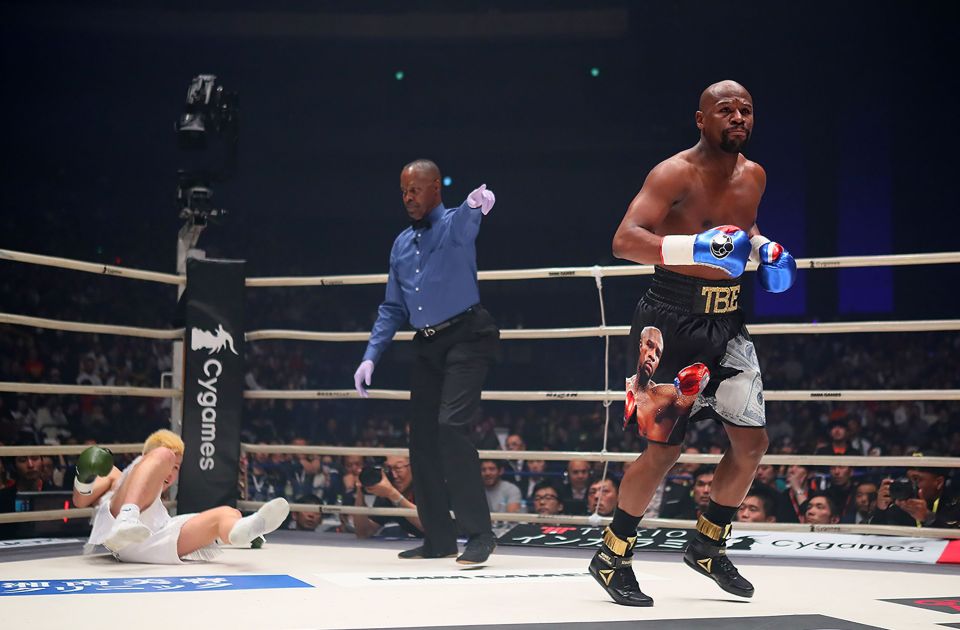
(561, 108)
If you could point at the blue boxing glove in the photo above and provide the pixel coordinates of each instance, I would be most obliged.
(778, 270)
(726, 247)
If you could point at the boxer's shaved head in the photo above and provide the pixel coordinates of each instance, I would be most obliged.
(721, 90)
(725, 117)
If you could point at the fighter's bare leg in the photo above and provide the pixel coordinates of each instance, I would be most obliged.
(737, 467)
(145, 482)
(640, 482)
(205, 528)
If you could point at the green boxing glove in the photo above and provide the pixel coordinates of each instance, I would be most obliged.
(93, 462)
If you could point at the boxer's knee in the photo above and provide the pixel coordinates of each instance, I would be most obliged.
(228, 512)
(750, 444)
(163, 457)
(662, 455)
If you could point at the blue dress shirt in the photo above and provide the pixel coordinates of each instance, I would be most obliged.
(433, 275)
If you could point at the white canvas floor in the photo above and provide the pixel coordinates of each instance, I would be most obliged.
(353, 585)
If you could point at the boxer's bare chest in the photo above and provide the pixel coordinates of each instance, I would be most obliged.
(709, 201)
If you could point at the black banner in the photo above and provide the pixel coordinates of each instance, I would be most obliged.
(572, 536)
(213, 384)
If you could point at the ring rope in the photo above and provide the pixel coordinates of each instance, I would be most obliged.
(104, 270)
(515, 396)
(88, 390)
(606, 383)
(66, 449)
(926, 325)
(518, 517)
(55, 515)
(592, 456)
(836, 262)
(103, 329)
(599, 396)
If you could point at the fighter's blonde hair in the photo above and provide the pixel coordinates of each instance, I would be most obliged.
(165, 438)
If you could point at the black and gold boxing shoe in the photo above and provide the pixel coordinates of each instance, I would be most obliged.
(707, 554)
(611, 567)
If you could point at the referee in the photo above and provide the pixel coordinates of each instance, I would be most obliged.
(433, 285)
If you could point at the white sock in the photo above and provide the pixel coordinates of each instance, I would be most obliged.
(246, 529)
(268, 518)
(129, 512)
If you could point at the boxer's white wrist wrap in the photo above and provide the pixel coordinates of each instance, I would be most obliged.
(677, 249)
(83, 488)
(756, 243)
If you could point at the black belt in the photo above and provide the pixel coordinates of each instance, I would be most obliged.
(695, 295)
(430, 331)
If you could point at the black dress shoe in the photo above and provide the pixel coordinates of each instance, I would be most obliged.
(612, 568)
(423, 552)
(478, 549)
(710, 559)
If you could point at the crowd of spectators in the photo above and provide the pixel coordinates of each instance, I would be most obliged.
(800, 494)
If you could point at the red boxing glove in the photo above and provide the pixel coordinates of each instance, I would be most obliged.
(692, 379)
(630, 407)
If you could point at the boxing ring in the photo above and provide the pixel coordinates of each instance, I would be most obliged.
(334, 581)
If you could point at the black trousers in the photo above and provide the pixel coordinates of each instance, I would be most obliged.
(448, 376)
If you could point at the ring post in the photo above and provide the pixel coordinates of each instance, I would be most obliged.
(213, 384)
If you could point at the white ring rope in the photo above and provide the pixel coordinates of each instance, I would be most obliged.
(606, 383)
(836, 262)
(65, 449)
(609, 271)
(926, 325)
(529, 396)
(88, 390)
(592, 456)
(32, 516)
(524, 517)
(595, 396)
(102, 329)
(104, 270)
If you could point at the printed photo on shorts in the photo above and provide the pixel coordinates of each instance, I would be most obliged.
(661, 409)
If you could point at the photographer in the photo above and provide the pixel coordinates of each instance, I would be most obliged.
(921, 499)
(392, 490)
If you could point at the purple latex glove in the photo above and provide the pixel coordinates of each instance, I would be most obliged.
(482, 198)
(361, 376)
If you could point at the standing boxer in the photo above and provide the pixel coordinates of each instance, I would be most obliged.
(696, 218)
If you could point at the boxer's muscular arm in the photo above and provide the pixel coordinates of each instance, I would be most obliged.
(760, 176)
(635, 239)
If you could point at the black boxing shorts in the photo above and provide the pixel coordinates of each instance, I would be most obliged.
(681, 326)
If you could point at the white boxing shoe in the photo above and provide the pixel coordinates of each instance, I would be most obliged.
(268, 518)
(126, 532)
